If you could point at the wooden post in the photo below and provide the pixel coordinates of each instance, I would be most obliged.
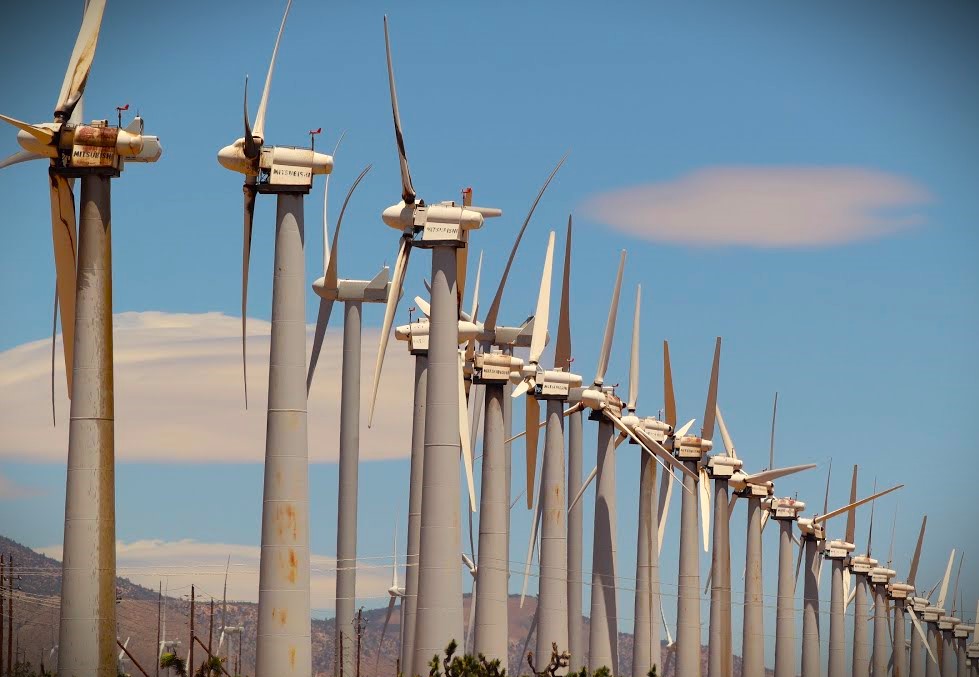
(159, 620)
(360, 633)
(10, 611)
(190, 667)
(133, 659)
(2, 562)
(210, 628)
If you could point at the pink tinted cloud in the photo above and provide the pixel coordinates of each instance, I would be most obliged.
(767, 207)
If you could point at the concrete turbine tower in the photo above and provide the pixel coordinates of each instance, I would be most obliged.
(690, 451)
(283, 645)
(931, 614)
(726, 471)
(444, 228)
(811, 546)
(491, 366)
(354, 294)
(946, 626)
(904, 600)
(648, 434)
(96, 153)
(553, 386)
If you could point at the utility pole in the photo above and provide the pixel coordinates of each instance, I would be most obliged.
(360, 635)
(10, 611)
(159, 620)
(190, 661)
(210, 628)
(340, 650)
(2, 562)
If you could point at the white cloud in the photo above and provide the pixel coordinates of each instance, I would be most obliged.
(178, 394)
(183, 562)
(764, 207)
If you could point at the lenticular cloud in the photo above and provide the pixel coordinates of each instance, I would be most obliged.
(766, 207)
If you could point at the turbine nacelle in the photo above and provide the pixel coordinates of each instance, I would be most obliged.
(881, 575)
(785, 508)
(656, 429)
(691, 447)
(861, 564)
(369, 291)
(837, 549)
(276, 165)
(548, 384)
(948, 623)
(932, 614)
(919, 604)
(421, 327)
(442, 222)
(495, 367)
(900, 591)
(723, 467)
(963, 630)
(810, 529)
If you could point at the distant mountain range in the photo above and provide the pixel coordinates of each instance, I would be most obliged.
(37, 601)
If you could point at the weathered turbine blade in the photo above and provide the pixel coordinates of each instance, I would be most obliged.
(80, 62)
(264, 103)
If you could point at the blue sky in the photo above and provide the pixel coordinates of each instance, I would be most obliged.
(870, 343)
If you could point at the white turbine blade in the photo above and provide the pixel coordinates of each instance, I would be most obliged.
(530, 549)
(725, 436)
(665, 492)
(921, 633)
(730, 506)
(567, 412)
(407, 190)
(798, 564)
(248, 192)
(944, 588)
(42, 134)
(765, 515)
(846, 587)
(684, 428)
(634, 357)
(704, 486)
(666, 626)
(259, 129)
(390, 306)
(64, 236)
(610, 324)
(490, 322)
(326, 221)
(539, 336)
(330, 264)
(584, 485)
(854, 505)
(479, 272)
(775, 473)
(467, 454)
(423, 306)
(19, 156)
(80, 62)
(657, 449)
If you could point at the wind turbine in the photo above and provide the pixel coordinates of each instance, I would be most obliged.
(648, 434)
(354, 294)
(880, 578)
(396, 592)
(972, 650)
(491, 367)
(283, 641)
(96, 153)
(946, 623)
(726, 471)
(606, 410)
(444, 228)
(905, 601)
(812, 546)
(690, 450)
(553, 386)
